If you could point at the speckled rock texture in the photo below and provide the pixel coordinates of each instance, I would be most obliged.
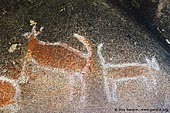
(124, 41)
(153, 14)
(163, 19)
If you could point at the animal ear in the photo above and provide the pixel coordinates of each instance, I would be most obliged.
(36, 33)
(147, 60)
(33, 24)
(100, 46)
(34, 29)
(155, 64)
(153, 59)
(39, 32)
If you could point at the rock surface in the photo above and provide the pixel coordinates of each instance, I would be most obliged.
(125, 41)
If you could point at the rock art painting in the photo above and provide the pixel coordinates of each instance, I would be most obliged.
(9, 94)
(125, 72)
(59, 57)
(67, 61)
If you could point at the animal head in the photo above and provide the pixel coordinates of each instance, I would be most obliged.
(153, 63)
(33, 33)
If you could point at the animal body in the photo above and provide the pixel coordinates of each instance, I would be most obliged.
(60, 56)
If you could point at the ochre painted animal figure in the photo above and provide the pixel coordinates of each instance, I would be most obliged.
(59, 56)
(9, 93)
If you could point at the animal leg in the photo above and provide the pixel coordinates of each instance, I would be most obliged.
(114, 89)
(107, 90)
(23, 78)
(83, 89)
(71, 83)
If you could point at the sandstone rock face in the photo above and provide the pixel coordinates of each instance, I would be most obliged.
(128, 47)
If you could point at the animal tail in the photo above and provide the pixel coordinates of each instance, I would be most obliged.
(90, 51)
(86, 43)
